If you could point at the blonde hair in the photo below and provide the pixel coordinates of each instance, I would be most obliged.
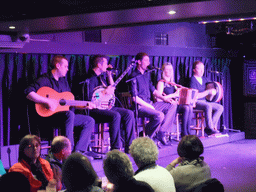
(163, 68)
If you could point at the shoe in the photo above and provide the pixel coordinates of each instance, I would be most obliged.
(157, 142)
(209, 131)
(161, 137)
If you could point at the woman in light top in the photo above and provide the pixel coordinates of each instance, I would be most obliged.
(167, 86)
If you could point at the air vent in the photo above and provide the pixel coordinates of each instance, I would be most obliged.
(161, 39)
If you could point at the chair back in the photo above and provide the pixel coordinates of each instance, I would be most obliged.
(126, 100)
(212, 184)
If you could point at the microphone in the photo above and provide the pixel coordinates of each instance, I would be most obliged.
(111, 69)
(114, 71)
(150, 67)
(217, 72)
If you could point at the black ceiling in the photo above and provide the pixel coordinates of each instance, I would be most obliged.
(33, 9)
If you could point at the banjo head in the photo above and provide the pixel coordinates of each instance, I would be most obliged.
(103, 100)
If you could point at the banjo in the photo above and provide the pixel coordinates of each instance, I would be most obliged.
(101, 99)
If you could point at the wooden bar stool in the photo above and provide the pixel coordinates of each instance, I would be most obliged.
(200, 118)
(177, 133)
(101, 144)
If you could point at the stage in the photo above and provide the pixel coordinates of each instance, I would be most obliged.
(231, 159)
(169, 151)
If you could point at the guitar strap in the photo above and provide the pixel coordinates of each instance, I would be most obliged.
(104, 85)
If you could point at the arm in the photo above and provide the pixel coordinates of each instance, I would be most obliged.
(50, 104)
(160, 89)
(174, 163)
(142, 102)
(211, 91)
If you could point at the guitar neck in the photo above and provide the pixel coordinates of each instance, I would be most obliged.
(73, 102)
(123, 74)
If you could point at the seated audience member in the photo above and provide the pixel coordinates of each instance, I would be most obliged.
(79, 175)
(118, 169)
(59, 152)
(37, 170)
(14, 182)
(145, 154)
(192, 170)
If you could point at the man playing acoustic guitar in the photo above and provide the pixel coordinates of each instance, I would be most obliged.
(100, 77)
(65, 119)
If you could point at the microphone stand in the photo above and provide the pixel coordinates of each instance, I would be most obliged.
(87, 81)
(135, 88)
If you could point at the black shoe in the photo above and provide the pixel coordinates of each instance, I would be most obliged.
(157, 142)
(161, 137)
(209, 131)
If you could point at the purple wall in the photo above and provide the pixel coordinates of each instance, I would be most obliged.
(185, 39)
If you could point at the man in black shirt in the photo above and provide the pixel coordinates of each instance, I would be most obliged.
(161, 114)
(56, 79)
(116, 116)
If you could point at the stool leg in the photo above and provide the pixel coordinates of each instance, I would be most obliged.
(177, 127)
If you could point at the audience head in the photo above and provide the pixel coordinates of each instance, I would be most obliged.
(78, 173)
(167, 71)
(29, 148)
(61, 147)
(117, 167)
(144, 151)
(190, 147)
(13, 182)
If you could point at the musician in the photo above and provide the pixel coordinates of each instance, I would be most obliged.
(167, 86)
(56, 79)
(116, 116)
(161, 115)
(212, 110)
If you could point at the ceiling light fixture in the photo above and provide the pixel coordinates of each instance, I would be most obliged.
(12, 27)
(172, 12)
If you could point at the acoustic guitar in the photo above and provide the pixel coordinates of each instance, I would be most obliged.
(65, 100)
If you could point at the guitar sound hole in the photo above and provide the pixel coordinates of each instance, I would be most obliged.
(62, 102)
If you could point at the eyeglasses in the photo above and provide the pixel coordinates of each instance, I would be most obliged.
(33, 146)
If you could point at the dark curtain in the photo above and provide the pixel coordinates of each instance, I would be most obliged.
(19, 70)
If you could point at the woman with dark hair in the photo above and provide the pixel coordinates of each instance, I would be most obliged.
(37, 170)
(78, 174)
(192, 169)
